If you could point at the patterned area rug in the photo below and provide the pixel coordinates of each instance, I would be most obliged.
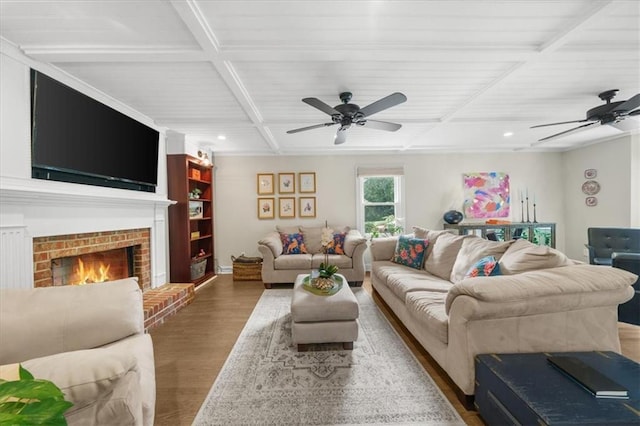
(266, 380)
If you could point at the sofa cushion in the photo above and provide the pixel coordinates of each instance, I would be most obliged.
(312, 237)
(83, 376)
(293, 244)
(488, 266)
(410, 251)
(287, 229)
(339, 260)
(473, 249)
(525, 256)
(336, 246)
(429, 234)
(274, 243)
(443, 256)
(352, 240)
(293, 261)
(428, 309)
(402, 283)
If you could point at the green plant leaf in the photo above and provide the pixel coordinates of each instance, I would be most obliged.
(24, 374)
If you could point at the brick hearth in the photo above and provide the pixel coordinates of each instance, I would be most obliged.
(162, 302)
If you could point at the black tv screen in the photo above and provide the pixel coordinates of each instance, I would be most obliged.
(75, 138)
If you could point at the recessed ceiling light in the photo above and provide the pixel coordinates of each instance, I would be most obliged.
(222, 137)
(507, 134)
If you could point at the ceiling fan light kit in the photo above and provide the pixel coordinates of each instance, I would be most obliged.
(347, 114)
(609, 113)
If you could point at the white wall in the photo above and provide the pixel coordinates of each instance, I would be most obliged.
(33, 208)
(617, 164)
(432, 184)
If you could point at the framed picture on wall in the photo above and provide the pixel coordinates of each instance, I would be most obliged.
(307, 207)
(265, 183)
(287, 207)
(266, 208)
(286, 183)
(307, 182)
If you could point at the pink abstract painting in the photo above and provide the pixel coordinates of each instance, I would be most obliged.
(486, 195)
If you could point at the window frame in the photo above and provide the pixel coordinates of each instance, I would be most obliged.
(398, 195)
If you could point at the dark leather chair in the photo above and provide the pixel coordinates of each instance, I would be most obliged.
(603, 242)
(630, 311)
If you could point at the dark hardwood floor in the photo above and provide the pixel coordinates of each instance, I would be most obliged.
(192, 346)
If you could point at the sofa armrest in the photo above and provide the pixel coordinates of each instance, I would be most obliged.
(273, 243)
(547, 290)
(383, 248)
(352, 241)
(45, 321)
(83, 376)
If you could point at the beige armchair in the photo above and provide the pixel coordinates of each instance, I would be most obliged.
(89, 340)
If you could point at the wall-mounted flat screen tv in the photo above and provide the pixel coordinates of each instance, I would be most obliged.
(75, 138)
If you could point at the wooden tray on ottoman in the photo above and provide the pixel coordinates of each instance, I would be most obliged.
(247, 268)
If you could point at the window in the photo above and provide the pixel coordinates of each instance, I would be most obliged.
(380, 206)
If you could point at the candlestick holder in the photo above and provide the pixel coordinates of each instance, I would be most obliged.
(534, 213)
(528, 221)
(521, 211)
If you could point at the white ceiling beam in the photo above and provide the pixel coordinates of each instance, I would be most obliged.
(460, 55)
(101, 54)
(197, 24)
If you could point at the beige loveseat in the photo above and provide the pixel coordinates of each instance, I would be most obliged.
(278, 267)
(89, 340)
(542, 302)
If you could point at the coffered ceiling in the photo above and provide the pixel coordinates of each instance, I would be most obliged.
(472, 71)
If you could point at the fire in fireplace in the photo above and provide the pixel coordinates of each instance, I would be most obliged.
(96, 267)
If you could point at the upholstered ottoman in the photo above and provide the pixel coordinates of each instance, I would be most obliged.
(323, 319)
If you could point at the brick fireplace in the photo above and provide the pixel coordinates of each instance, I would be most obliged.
(56, 248)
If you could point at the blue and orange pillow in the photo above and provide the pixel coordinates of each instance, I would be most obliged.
(293, 244)
(488, 266)
(410, 251)
(336, 246)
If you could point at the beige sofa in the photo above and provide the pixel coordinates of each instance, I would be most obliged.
(88, 340)
(542, 302)
(284, 268)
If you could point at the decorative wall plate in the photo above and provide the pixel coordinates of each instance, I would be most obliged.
(590, 173)
(591, 187)
(591, 201)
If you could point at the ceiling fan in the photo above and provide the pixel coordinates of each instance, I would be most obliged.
(611, 113)
(347, 114)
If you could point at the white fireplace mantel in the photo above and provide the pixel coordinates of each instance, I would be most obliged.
(31, 191)
(32, 208)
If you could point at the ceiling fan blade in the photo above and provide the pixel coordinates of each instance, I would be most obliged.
(382, 125)
(315, 126)
(341, 137)
(382, 104)
(561, 122)
(317, 103)
(629, 105)
(628, 125)
(565, 132)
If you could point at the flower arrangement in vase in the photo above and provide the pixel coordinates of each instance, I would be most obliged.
(325, 279)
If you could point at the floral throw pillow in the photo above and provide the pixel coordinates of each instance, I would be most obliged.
(410, 251)
(486, 267)
(336, 246)
(293, 244)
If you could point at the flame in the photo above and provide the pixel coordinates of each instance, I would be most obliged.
(91, 273)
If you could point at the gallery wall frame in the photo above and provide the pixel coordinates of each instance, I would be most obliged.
(307, 207)
(266, 208)
(307, 182)
(286, 183)
(265, 183)
(286, 207)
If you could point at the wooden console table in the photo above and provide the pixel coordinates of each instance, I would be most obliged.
(543, 233)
